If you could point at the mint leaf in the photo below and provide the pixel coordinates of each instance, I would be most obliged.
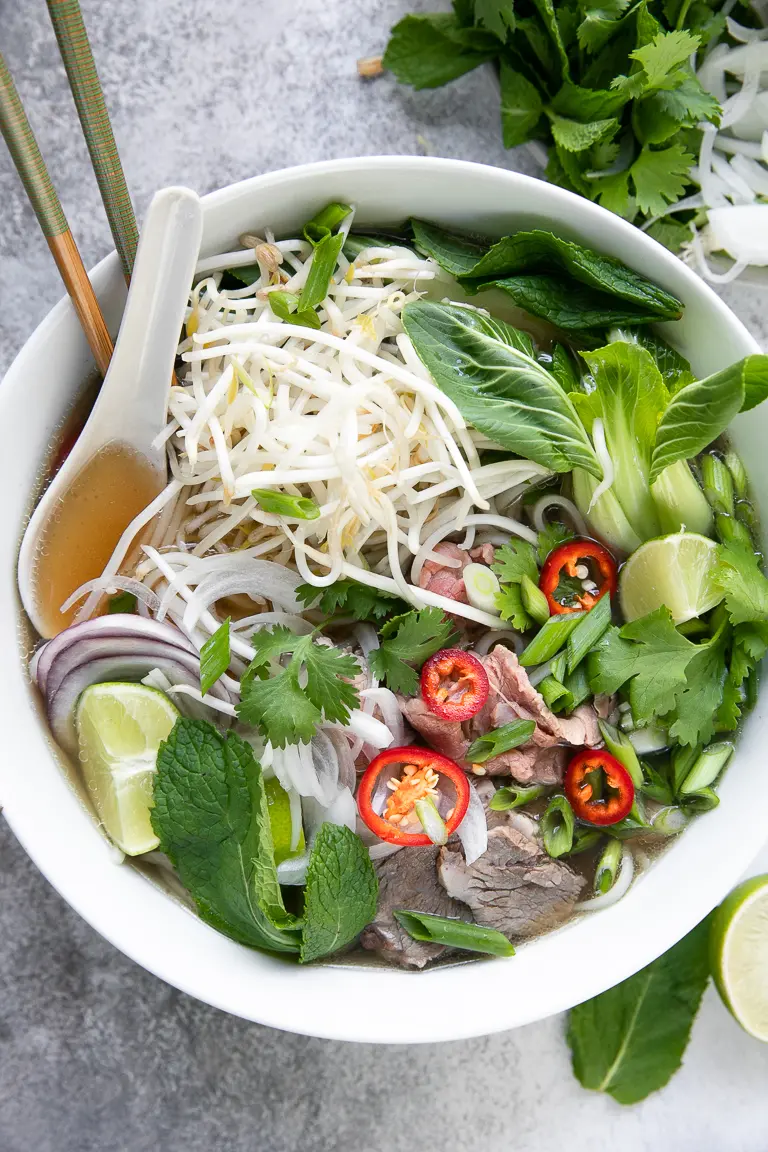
(214, 657)
(660, 177)
(521, 106)
(212, 820)
(287, 703)
(406, 640)
(341, 893)
(577, 137)
(426, 52)
(630, 1040)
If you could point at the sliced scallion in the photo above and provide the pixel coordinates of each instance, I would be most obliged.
(620, 746)
(500, 740)
(706, 768)
(515, 796)
(584, 839)
(669, 821)
(738, 473)
(214, 657)
(557, 825)
(454, 933)
(577, 684)
(704, 800)
(482, 587)
(431, 820)
(534, 600)
(718, 484)
(550, 639)
(588, 631)
(607, 867)
(553, 691)
(281, 504)
(558, 666)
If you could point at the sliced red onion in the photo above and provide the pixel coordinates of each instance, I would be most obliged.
(118, 649)
(116, 624)
(473, 830)
(263, 578)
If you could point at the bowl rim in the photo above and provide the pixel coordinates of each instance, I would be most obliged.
(332, 1001)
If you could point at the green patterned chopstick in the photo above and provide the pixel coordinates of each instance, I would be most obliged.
(78, 60)
(30, 165)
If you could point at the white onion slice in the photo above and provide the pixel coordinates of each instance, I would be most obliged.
(369, 729)
(473, 830)
(386, 701)
(264, 579)
(741, 231)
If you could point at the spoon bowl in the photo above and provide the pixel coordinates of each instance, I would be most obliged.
(115, 467)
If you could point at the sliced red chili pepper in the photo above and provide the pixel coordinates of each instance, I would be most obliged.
(416, 774)
(598, 787)
(570, 561)
(454, 684)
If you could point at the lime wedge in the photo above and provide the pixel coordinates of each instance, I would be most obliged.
(119, 729)
(280, 821)
(739, 946)
(675, 571)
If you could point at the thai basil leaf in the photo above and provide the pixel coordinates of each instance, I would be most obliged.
(700, 411)
(568, 305)
(455, 253)
(539, 251)
(630, 1040)
(498, 388)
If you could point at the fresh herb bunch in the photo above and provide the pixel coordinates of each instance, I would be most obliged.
(610, 88)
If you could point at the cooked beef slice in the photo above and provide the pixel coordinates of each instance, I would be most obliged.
(445, 580)
(514, 886)
(408, 880)
(445, 736)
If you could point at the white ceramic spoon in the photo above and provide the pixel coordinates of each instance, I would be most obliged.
(131, 407)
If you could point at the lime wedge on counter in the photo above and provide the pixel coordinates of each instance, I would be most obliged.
(280, 821)
(739, 948)
(119, 730)
(675, 571)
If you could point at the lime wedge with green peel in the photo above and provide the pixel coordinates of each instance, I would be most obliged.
(739, 950)
(279, 806)
(119, 729)
(675, 571)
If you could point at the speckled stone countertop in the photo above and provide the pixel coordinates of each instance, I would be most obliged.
(96, 1055)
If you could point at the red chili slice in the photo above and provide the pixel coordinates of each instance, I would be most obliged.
(615, 798)
(454, 684)
(601, 571)
(427, 768)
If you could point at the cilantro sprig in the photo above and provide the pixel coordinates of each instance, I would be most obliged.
(287, 702)
(351, 598)
(409, 640)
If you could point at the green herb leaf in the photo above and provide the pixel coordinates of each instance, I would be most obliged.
(744, 586)
(664, 55)
(454, 252)
(410, 640)
(551, 537)
(341, 892)
(514, 560)
(660, 177)
(500, 740)
(502, 391)
(427, 52)
(495, 15)
(123, 602)
(509, 605)
(281, 504)
(696, 706)
(575, 136)
(212, 820)
(521, 106)
(348, 596)
(454, 933)
(287, 306)
(214, 657)
(630, 1040)
(285, 711)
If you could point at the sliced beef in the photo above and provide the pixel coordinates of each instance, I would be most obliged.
(483, 554)
(445, 736)
(514, 886)
(445, 580)
(408, 880)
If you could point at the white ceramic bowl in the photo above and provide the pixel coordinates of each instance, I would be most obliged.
(366, 1004)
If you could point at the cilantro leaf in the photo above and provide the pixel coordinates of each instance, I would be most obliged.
(214, 657)
(211, 817)
(284, 709)
(495, 15)
(660, 177)
(509, 604)
(651, 655)
(348, 596)
(744, 586)
(341, 892)
(697, 704)
(406, 640)
(574, 136)
(664, 55)
(630, 1040)
(514, 560)
(551, 537)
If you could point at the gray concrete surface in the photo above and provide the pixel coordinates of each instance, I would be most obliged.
(95, 1054)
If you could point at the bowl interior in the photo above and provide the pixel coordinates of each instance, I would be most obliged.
(345, 1002)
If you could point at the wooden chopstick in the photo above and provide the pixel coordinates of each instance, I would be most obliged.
(30, 165)
(78, 60)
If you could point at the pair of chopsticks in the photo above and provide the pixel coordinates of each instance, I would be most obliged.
(78, 60)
